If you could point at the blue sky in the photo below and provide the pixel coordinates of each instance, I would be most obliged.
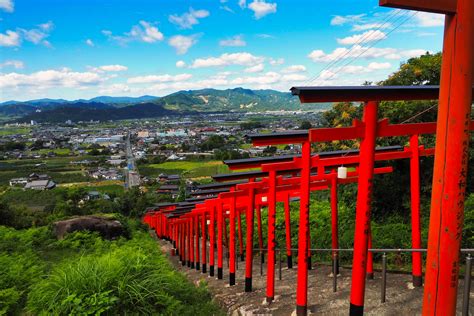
(85, 48)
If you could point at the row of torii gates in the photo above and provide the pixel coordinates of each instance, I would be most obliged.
(218, 206)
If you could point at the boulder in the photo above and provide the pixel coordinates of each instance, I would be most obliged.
(108, 228)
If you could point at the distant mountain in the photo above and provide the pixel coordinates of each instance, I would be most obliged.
(100, 99)
(119, 100)
(96, 112)
(238, 99)
(38, 102)
(116, 108)
(17, 109)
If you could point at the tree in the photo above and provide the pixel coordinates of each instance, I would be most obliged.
(213, 142)
(305, 125)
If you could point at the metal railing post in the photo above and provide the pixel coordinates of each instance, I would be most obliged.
(384, 277)
(467, 286)
(279, 262)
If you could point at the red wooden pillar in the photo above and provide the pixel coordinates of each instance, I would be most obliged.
(241, 240)
(362, 224)
(451, 162)
(212, 239)
(232, 242)
(334, 223)
(226, 236)
(370, 259)
(271, 243)
(188, 242)
(196, 233)
(181, 244)
(289, 256)
(220, 227)
(302, 279)
(203, 242)
(191, 241)
(259, 229)
(249, 241)
(415, 210)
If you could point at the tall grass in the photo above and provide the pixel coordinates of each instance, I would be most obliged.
(130, 278)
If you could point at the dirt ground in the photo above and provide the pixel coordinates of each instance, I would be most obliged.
(401, 297)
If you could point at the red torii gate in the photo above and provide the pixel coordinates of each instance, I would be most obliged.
(367, 130)
(320, 164)
(270, 189)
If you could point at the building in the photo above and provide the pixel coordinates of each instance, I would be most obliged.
(40, 185)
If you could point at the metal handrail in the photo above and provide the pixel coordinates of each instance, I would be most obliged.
(383, 288)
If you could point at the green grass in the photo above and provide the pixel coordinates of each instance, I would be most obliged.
(59, 169)
(5, 131)
(188, 169)
(86, 275)
(57, 151)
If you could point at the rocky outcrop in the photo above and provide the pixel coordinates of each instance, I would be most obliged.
(108, 228)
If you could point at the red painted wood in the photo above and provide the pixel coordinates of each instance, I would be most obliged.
(415, 210)
(451, 162)
(302, 276)
(435, 6)
(362, 224)
(271, 244)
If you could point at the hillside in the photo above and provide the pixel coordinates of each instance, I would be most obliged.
(116, 108)
(237, 99)
(104, 113)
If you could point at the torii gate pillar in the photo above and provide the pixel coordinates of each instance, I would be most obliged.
(451, 155)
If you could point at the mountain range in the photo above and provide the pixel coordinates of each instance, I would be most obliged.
(182, 102)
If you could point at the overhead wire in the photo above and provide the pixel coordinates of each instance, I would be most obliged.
(410, 16)
(386, 22)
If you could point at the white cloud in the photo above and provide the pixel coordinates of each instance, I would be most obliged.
(180, 64)
(182, 43)
(115, 89)
(242, 3)
(147, 32)
(17, 64)
(226, 8)
(7, 5)
(256, 68)
(48, 26)
(262, 8)
(358, 51)
(293, 77)
(51, 79)
(327, 74)
(366, 37)
(341, 20)
(241, 59)
(294, 69)
(36, 35)
(370, 26)
(263, 35)
(108, 68)
(267, 78)
(10, 39)
(235, 41)
(89, 42)
(277, 61)
(426, 19)
(379, 66)
(143, 32)
(357, 69)
(159, 78)
(188, 19)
